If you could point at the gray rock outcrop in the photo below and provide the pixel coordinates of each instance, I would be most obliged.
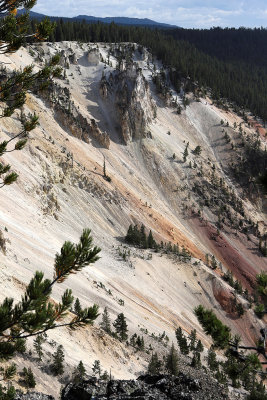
(147, 387)
(93, 57)
(71, 118)
(32, 396)
(130, 94)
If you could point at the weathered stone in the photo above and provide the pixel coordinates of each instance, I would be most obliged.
(32, 396)
(70, 117)
(134, 106)
(146, 387)
(93, 57)
(224, 296)
(73, 59)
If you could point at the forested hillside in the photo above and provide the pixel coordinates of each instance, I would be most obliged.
(230, 62)
(228, 44)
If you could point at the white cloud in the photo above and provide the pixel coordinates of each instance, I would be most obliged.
(190, 13)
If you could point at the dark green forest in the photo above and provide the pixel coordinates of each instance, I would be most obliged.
(231, 63)
(228, 44)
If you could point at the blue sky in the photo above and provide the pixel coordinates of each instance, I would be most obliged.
(185, 13)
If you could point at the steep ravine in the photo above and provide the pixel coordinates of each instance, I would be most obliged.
(61, 190)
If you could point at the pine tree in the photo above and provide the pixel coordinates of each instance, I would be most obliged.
(143, 238)
(7, 393)
(154, 365)
(35, 314)
(150, 241)
(107, 177)
(239, 366)
(29, 378)
(79, 373)
(259, 310)
(238, 287)
(240, 309)
(263, 245)
(197, 151)
(185, 153)
(105, 375)
(57, 366)
(213, 364)
(261, 280)
(232, 369)
(258, 392)
(140, 343)
(220, 333)
(133, 340)
(14, 27)
(104, 168)
(136, 236)
(199, 346)
(77, 306)
(37, 343)
(96, 368)
(129, 235)
(172, 361)
(120, 326)
(9, 372)
(192, 339)
(81, 370)
(105, 323)
(196, 360)
(182, 341)
(195, 363)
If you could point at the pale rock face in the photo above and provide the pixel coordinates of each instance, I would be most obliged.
(103, 89)
(63, 59)
(146, 55)
(140, 111)
(134, 105)
(224, 296)
(67, 57)
(71, 118)
(73, 58)
(93, 57)
(61, 191)
(84, 129)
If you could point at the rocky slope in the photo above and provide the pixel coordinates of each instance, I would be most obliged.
(146, 387)
(107, 106)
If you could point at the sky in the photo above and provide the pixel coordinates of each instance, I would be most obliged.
(184, 13)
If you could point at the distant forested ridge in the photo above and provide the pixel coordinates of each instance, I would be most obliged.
(228, 44)
(231, 62)
(106, 20)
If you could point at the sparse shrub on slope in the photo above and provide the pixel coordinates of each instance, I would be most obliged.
(138, 237)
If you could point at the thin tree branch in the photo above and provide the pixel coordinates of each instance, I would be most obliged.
(70, 324)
